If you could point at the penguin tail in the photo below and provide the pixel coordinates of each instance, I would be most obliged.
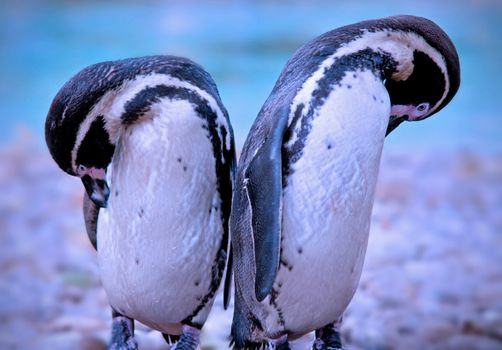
(242, 325)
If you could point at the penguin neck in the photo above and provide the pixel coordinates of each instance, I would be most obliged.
(347, 127)
(346, 96)
(109, 110)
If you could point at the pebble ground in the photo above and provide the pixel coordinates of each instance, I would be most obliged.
(432, 277)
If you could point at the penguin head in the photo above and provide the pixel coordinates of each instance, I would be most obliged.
(430, 70)
(77, 133)
(88, 114)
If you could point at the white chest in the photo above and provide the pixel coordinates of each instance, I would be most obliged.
(327, 204)
(158, 238)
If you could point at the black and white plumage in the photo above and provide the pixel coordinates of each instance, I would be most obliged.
(153, 145)
(307, 173)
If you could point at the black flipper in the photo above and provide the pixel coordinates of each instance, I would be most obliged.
(226, 197)
(263, 179)
(228, 280)
(91, 212)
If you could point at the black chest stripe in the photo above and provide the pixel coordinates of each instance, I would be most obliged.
(380, 64)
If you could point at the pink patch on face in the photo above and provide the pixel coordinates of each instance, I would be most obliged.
(412, 112)
(95, 173)
(400, 110)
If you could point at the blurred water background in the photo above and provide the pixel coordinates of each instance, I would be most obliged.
(432, 277)
(244, 45)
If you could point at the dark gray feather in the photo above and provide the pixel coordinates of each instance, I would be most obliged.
(263, 179)
(91, 212)
(227, 287)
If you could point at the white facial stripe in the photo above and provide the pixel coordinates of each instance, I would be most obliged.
(399, 44)
(64, 114)
(112, 106)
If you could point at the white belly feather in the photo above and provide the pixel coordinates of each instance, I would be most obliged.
(158, 238)
(327, 206)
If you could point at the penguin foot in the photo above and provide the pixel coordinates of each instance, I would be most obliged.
(249, 345)
(284, 346)
(189, 339)
(123, 334)
(328, 337)
(320, 345)
(281, 343)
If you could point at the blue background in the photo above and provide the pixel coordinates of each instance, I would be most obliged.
(244, 45)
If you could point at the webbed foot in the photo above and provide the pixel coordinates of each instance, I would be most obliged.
(189, 339)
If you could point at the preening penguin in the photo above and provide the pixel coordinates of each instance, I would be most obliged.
(307, 173)
(153, 145)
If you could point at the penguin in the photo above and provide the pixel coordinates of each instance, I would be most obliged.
(306, 177)
(152, 143)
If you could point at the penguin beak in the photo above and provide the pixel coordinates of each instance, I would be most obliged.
(394, 122)
(97, 190)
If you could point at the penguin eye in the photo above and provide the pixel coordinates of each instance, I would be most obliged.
(81, 169)
(423, 108)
